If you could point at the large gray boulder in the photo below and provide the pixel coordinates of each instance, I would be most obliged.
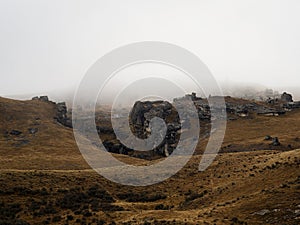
(44, 98)
(62, 116)
(286, 97)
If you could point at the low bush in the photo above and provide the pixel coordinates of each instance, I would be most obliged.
(141, 197)
(194, 196)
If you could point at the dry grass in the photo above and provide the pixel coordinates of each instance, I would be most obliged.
(49, 173)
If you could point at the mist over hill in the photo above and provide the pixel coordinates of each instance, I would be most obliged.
(234, 89)
(45, 179)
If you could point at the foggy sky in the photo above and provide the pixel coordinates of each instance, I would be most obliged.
(49, 45)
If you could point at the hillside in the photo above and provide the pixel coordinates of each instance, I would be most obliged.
(43, 144)
(45, 180)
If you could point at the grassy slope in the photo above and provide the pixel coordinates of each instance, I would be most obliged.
(53, 146)
(248, 134)
(232, 189)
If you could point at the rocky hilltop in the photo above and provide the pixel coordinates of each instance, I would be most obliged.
(240, 110)
(62, 115)
(236, 109)
(254, 180)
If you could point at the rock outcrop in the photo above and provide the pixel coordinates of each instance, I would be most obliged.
(41, 98)
(143, 111)
(141, 115)
(61, 112)
(285, 97)
(62, 115)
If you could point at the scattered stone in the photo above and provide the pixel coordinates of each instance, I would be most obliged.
(15, 132)
(275, 141)
(268, 138)
(262, 212)
(33, 130)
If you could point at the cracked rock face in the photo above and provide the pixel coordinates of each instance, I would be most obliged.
(286, 97)
(41, 98)
(141, 115)
(62, 116)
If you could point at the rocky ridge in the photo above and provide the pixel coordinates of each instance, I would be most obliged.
(143, 111)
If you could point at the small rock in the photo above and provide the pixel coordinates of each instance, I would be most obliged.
(33, 130)
(268, 137)
(275, 141)
(262, 212)
(15, 132)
